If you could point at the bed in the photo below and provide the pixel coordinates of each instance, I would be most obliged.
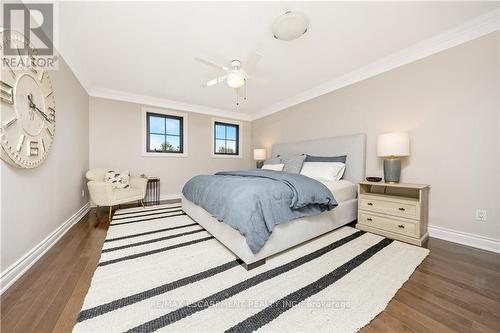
(291, 233)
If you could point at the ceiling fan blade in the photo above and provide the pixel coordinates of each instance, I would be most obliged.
(215, 81)
(252, 61)
(257, 80)
(211, 64)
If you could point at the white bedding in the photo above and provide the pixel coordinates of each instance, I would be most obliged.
(342, 190)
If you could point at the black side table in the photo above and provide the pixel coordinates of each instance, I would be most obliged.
(153, 191)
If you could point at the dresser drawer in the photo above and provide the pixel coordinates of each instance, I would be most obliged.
(386, 223)
(397, 208)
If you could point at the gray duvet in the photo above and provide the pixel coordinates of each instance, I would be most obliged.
(255, 201)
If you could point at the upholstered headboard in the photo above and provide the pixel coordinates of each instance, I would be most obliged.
(351, 145)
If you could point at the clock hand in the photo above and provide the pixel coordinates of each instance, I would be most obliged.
(33, 106)
(43, 114)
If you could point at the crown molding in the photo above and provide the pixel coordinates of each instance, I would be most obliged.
(165, 103)
(468, 31)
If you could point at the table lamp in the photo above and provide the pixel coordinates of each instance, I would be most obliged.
(259, 155)
(392, 146)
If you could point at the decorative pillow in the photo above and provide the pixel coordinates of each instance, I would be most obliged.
(293, 163)
(273, 160)
(340, 159)
(117, 179)
(274, 167)
(323, 170)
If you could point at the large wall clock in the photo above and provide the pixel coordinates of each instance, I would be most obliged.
(28, 117)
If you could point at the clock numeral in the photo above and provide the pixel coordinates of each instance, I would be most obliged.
(11, 71)
(6, 93)
(20, 142)
(39, 72)
(43, 145)
(10, 122)
(51, 132)
(52, 113)
(33, 65)
(32, 148)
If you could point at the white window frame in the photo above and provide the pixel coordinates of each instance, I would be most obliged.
(184, 117)
(240, 138)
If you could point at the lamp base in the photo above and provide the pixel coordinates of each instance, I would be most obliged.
(392, 170)
(260, 164)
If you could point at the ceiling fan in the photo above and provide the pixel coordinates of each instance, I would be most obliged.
(235, 74)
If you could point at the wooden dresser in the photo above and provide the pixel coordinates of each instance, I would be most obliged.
(398, 211)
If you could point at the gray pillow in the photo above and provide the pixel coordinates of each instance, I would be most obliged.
(340, 159)
(273, 160)
(293, 163)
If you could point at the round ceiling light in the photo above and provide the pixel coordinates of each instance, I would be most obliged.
(235, 80)
(289, 26)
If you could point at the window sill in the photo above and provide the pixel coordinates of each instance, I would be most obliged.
(226, 156)
(146, 154)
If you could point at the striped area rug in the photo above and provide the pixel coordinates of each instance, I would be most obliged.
(160, 271)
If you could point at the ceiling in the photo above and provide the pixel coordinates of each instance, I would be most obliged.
(147, 49)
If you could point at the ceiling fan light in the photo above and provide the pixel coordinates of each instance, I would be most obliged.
(235, 80)
(290, 25)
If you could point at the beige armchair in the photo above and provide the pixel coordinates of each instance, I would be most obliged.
(104, 194)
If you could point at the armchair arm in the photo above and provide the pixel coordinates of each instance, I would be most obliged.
(101, 193)
(139, 183)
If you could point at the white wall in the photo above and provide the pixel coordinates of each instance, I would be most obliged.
(448, 102)
(35, 202)
(116, 140)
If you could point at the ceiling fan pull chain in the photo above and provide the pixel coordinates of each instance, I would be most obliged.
(245, 86)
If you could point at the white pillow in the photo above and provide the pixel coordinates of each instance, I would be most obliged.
(275, 167)
(118, 179)
(323, 170)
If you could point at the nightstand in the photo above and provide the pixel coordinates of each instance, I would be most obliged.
(397, 211)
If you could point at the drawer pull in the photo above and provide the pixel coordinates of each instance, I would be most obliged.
(369, 204)
(401, 209)
(401, 226)
(369, 219)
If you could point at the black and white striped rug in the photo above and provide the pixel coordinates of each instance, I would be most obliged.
(160, 271)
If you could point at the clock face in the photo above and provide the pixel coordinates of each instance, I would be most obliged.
(28, 111)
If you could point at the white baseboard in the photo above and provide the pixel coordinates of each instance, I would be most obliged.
(170, 196)
(16, 270)
(464, 238)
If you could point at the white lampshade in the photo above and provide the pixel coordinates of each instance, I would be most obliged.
(259, 154)
(235, 80)
(393, 144)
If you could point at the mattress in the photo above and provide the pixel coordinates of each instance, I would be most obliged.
(284, 236)
(342, 190)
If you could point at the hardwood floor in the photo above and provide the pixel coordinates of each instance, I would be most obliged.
(456, 288)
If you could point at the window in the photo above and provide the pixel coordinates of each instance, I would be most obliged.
(226, 139)
(164, 133)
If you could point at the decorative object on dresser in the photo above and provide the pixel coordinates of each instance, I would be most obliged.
(393, 146)
(398, 211)
(373, 179)
(153, 191)
(259, 155)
